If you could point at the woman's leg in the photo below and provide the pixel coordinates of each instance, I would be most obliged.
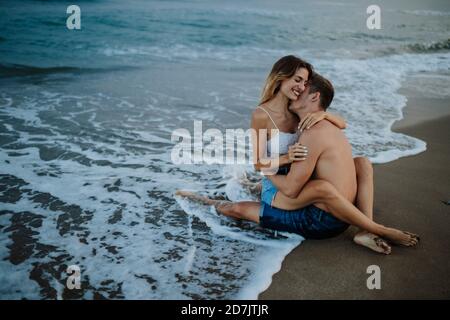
(323, 193)
(364, 202)
(364, 198)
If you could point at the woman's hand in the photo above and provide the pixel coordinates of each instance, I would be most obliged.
(297, 152)
(311, 119)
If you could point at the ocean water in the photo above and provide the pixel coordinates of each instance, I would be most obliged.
(86, 118)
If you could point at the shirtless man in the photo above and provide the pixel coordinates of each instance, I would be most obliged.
(330, 166)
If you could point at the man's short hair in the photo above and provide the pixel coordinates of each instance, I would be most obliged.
(317, 83)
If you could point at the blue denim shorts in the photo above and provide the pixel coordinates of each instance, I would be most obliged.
(269, 190)
(310, 222)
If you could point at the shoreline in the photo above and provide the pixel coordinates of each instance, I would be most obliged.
(408, 194)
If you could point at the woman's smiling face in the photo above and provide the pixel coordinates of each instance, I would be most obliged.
(295, 85)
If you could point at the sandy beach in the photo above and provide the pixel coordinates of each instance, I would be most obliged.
(408, 194)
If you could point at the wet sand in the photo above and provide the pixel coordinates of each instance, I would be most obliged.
(408, 195)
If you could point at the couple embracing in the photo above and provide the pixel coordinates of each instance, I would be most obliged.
(319, 188)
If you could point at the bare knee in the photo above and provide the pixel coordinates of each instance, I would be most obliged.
(237, 210)
(324, 190)
(363, 167)
(226, 208)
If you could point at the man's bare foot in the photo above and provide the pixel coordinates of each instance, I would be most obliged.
(402, 238)
(372, 241)
(218, 204)
(222, 206)
(196, 197)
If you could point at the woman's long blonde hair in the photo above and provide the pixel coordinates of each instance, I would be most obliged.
(283, 69)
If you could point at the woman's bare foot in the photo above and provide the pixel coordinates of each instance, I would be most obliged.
(399, 237)
(372, 241)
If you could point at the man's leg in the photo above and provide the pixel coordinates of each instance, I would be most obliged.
(364, 202)
(245, 210)
(364, 176)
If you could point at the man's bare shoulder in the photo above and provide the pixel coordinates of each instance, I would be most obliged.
(321, 128)
(321, 136)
